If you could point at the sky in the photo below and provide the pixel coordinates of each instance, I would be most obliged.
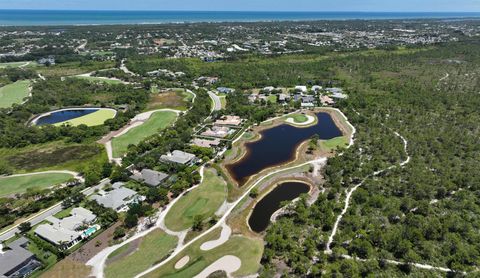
(251, 5)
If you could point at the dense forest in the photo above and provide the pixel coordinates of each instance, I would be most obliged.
(425, 212)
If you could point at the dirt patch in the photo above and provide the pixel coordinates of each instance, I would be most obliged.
(68, 268)
(169, 99)
(90, 249)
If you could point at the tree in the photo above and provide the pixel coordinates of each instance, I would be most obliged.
(197, 223)
(25, 227)
(131, 220)
(119, 232)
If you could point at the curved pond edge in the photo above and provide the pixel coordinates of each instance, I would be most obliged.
(268, 191)
(34, 120)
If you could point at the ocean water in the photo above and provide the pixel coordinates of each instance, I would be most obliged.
(47, 17)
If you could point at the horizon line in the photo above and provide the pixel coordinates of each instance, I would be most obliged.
(249, 11)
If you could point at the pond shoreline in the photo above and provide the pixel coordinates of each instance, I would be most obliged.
(34, 120)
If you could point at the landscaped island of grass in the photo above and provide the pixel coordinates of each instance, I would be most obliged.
(20, 184)
(96, 118)
(202, 201)
(14, 93)
(158, 121)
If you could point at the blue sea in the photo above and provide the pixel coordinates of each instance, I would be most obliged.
(48, 17)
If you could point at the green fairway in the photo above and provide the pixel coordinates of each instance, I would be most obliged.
(98, 79)
(203, 200)
(298, 118)
(16, 64)
(249, 251)
(333, 143)
(14, 93)
(159, 120)
(152, 249)
(93, 119)
(13, 185)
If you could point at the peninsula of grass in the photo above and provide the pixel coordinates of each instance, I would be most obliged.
(203, 201)
(249, 251)
(154, 247)
(93, 119)
(158, 121)
(298, 118)
(20, 184)
(14, 93)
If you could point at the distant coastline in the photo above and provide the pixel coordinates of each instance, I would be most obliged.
(62, 18)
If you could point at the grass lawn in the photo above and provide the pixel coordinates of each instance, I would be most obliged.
(203, 200)
(67, 268)
(98, 79)
(272, 98)
(12, 185)
(333, 143)
(298, 118)
(93, 119)
(158, 121)
(154, 247)
(249, 251)
(14, 93)
(223, 101)
(15, 64)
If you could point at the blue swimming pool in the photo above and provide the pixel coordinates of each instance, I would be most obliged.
(90, 231)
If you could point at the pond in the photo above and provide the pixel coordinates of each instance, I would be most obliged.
(278, 146)
(263, 210)
(62, 115)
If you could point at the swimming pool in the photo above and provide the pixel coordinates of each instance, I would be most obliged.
(90, 231)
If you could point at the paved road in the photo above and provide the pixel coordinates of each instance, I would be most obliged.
(39, 217)
(216, 100)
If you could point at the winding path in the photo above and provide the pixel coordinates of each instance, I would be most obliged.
(216, 101)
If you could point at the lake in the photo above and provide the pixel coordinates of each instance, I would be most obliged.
(263, 211)
(63, 115)
(278, 146)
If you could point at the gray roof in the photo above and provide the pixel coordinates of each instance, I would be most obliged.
(150, 177)
(12, 259)
(65, 230)
(178, 157)
(116, 198)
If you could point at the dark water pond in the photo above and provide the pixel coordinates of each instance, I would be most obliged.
(65, 115)
(263, 211)
(278, 145)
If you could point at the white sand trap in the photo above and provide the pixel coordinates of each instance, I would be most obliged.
(224, 236)
(310, 120)
(182, 262)
(227, 263)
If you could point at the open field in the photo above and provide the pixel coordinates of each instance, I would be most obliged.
(14, 93)
(249, 251)
(177, 99)
(53, 156)
(74, 68)
(67, 268)
(16, 64)
(203, 200)
(13, 185)
(159, 120)
(332, 144)
(96, 118)
(152, 249)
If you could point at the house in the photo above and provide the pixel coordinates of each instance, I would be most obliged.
(225, 90)
(67, 232)
(252, 98)
(229, 120)
(50, 60)
(283, 97)
(118, 199)
(268, 89)
(302, 89)
(179, 157)
(337, 93)
(16, 260)
(216, 131)
(326, 100)
(204, 143)
(149, 177)
(316, 88)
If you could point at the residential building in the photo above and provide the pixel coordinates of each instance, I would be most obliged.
(179, 157)
(326, 100)
(302, 89)
(149, 177)
(229, 120)
(204, 143)
(225, 90)
(216, 131)
(316, 88)
(118, 198)
(16, 261)
(67, 232)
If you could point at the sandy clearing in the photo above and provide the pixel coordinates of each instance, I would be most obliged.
(310, 120)
(182, 262)
(224, 236)
(226, 263)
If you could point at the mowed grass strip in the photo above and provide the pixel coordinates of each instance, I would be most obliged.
(248, 250)
(154, 247)
(158, 121)
(93, 119)
(203, 200)
(96, 79)
(20, 184)
(14, 93)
